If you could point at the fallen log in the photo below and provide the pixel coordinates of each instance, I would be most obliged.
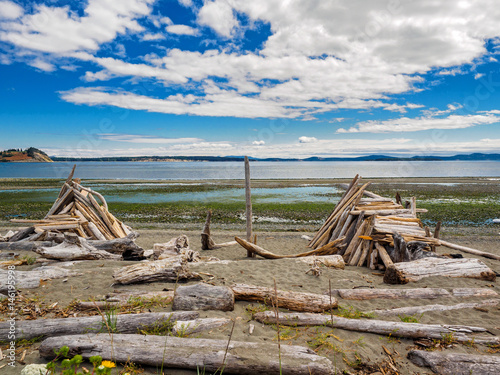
(203, 297)
(414, 293)
(171, 269)
(456, 363)
(75, 248)
(402, 273)
(245, 358)
(127, 299)
(125, 323)
(207, 243)
(381, 327)
(328, 249)
(126, 247)
(415, 310)
(21, 234)
(183, 328)
(295, 301)
(333, 261)
(31, 279)
(469, 250)
(24, 245)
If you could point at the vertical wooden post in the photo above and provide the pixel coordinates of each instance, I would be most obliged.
(248, 198)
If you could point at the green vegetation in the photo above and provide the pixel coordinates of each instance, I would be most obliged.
(410, 318)
(351, 313)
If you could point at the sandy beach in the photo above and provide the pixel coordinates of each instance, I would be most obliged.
(289, 274)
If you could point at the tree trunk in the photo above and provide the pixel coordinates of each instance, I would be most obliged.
(381, 327)
(203, 297)
(456, 363)
(416, 310)
(125, 323)
(402, 273)
(424, 293)
(21, 234)
(295, 301)
(244, 358)
(171, 269)
(207, 243)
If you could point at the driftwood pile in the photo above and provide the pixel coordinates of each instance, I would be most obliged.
(75, 210)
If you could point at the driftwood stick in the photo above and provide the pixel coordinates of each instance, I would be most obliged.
(469, 250)
(456, 363)
(381, 327)
(245, 358)
(248, 199)
(412, 293)
(207, 243)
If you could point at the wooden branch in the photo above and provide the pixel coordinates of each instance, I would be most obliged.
(456, 363)
(242, 357)
(469, 250)
(381, 327)
(402, 273)
(248, 199)
(125, 323)
(207, 243)
(413, 293)
(418, 310)
(295, 301)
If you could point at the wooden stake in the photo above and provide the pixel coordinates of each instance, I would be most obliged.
(248, 198)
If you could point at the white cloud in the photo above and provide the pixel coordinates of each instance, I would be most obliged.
(186, 3)
(478, 75)
(136, 138)
(406, 124)
(60, 31)
(10, 10)
(258, 143)
(305, 139)
(181, 30)
(149, 37)
(219, 16)
(42, 65)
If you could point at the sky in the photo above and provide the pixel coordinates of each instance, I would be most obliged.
(264, 78)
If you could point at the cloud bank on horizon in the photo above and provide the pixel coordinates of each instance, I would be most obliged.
(345, 78)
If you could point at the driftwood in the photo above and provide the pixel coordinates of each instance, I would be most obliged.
(414, 293)
(248, 205)
(171, 269)
(333, 261)
(127, 298)
(170, 248)
(415, 310)
(203, 297)
(295, 301)
(75, 248)
(189, 327)
(126, 247)
(329, 249)
(207, 243)
(125, 323)
(21, 234)
(402, 273)
(24, 245)
(456, 363)
(469, 250)
(381, 327)
(245, 358)
(31, 279)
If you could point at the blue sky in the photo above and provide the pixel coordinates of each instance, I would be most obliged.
(265, 78)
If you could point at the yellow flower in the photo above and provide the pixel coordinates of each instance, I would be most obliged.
(108, 364)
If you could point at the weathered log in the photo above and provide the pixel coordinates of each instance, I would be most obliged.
(402, 273)
(295, 301)
(125, 246)
(245, 358)
(203, 297)
(125, 323)
(31, 279)
(456, 363)
(207, 243)
(333, 261)
(171, 269)
(469, 250)
(416, 310)
(21, 234)
(125, 299)
(328, 249)
(182, 328)
(424, 293)
(170, 248)
(75, 248)
(24, 245)
(381, 327)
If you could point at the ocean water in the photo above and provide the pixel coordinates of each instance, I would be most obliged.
(259, 170)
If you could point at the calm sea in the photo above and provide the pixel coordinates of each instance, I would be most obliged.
(259, 170)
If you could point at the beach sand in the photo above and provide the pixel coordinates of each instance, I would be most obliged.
(290, 274)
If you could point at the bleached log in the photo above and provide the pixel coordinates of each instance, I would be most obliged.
(296, 301)
(24, 245)
(31, 279)
(416, 310)
(182, 328)
(125, 299)
(126, 247)
(381, 327)
(203, 297)
(21, 234)
(413, 293)
(125, 323)
(383, 212)
(75, 248)
(171, 269)
(469, 250)
(333, 261)
(402, 273)
(171, 248)
(244, 358)
(456, 363)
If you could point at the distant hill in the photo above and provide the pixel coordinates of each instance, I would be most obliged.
(30, 155)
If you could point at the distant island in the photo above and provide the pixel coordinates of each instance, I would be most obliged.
(30, 155)
(33, 154)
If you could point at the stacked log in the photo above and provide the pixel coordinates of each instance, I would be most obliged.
(76, 210)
